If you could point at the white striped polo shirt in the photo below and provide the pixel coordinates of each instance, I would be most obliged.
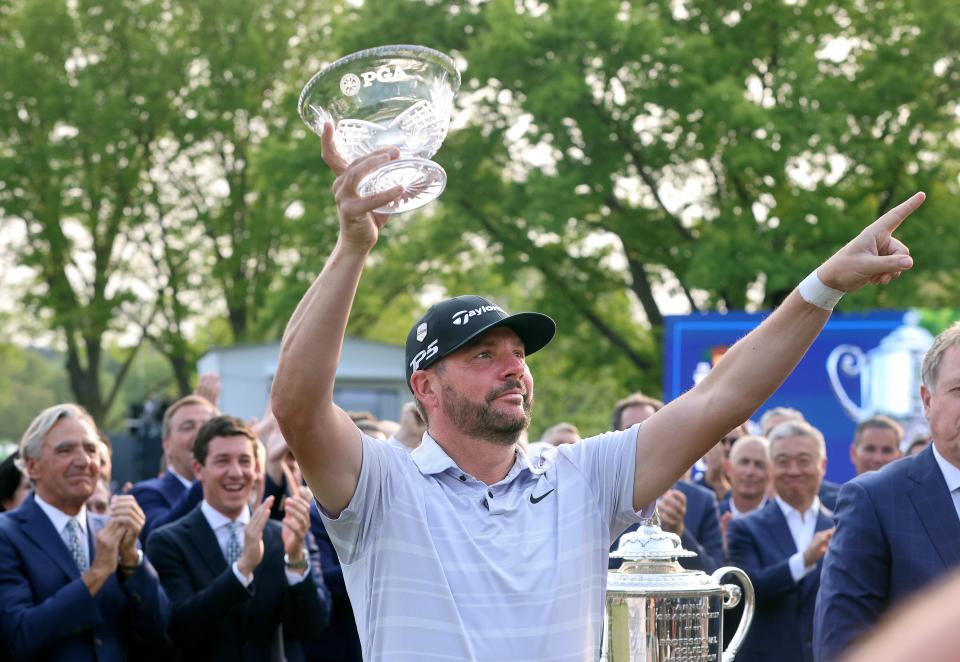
(439, 566)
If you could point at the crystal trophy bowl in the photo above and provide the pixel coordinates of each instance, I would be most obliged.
(390, 96)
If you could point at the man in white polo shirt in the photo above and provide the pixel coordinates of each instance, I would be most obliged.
(460, 550)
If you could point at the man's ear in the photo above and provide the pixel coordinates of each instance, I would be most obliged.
(30, 464)
(197, 469)
(925, 396)
(425, 388)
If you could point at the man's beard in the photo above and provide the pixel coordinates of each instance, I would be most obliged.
(481, 420)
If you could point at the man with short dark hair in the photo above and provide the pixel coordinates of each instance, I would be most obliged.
(234, 577)
(175, 493)
(460, 550)
(876, 443)
(73, 585)
(780, 546)
(898, 528)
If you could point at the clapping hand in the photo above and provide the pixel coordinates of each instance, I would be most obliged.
(252, 553)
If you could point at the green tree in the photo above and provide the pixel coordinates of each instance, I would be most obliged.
(82, 106)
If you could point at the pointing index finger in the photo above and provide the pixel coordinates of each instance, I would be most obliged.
(893, 218)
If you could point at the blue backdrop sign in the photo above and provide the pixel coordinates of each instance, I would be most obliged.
(693, 343)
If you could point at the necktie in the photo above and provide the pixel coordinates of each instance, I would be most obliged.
(233, 542)
(73, 540)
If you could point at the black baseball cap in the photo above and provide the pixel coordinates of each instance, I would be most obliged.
(449, 325)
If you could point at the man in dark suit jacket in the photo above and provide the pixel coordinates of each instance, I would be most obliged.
(174, 494)
(688, 510)
(61, 601)
(898, 528)
(231, 596)
(780, 547)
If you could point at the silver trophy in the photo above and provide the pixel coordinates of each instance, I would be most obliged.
(889, 377)
(400, 96)
(659, 612)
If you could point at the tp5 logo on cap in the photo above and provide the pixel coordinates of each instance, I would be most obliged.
(462, 317)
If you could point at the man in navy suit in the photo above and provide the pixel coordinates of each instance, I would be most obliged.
(234, 578)
(688, 510)
(898, 528)
(73, 585)
(780, 546)
(174, 494)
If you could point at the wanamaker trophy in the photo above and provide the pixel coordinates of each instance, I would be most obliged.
(657, 611)
(391, 96)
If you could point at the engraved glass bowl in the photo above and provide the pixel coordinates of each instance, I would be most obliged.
(399, 96)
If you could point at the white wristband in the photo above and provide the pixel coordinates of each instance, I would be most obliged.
(813, 291)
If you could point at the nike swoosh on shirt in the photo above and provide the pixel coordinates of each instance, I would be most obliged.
(540, 498)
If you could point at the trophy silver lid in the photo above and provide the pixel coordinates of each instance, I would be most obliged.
(650, 543)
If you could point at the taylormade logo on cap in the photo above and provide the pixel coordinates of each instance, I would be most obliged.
(462, 317)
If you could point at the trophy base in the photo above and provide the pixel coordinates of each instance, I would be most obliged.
(422, 180)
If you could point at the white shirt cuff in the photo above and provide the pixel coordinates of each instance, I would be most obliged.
(797, 569)
(294, 578)
(239, 575)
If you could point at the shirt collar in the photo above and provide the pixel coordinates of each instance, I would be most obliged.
(216, 519)
(787, 509)
(951, 474)
(430, 458)
(736, 512)
(59, 518)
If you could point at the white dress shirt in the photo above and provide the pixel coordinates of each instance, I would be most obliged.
(59, 519)
(803, 525)
(951, 474)
(220, 524)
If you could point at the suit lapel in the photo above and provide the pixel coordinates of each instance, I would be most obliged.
(203, 539)
(172, 487)
(934, 506)
(38, 527)
(779, 530)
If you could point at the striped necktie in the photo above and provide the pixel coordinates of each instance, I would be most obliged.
(73, 539)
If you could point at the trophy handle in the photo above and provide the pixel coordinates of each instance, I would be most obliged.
(853, 363)
(731, 597)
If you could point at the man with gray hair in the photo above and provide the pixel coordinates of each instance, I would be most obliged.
(781, 546)
(898, 528)
(73, 585)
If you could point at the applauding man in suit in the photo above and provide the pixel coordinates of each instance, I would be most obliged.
(73, 586)
(781, 546)
(235, 577)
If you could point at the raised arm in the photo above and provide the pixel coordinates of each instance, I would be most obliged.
(324, 440)
(673, 439)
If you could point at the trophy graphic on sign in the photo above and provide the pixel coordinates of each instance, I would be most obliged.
(391, 96)
(889, 377)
